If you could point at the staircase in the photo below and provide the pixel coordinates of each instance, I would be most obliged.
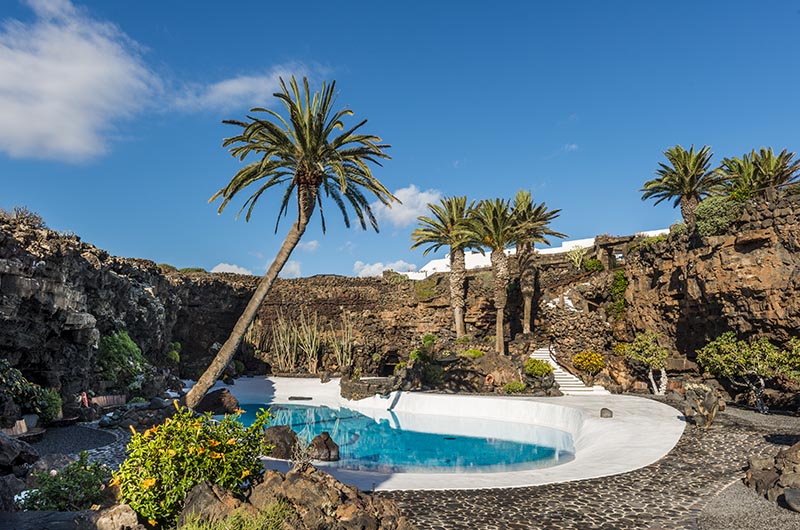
(568, 383)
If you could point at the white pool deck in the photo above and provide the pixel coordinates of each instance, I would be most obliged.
(641, 431)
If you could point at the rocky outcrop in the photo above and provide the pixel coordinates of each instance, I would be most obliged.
(776, 477)
(283, 441)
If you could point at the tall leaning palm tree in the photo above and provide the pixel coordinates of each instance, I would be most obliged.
(303, 153)
(449, 226)
(533, 223)
(495, 227)
(686, 179)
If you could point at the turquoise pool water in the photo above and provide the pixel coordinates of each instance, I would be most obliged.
(367, 444)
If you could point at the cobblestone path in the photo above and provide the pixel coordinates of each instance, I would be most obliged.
(666, 495)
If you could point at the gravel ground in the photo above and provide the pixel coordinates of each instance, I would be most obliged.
(72, 440)
(737, 507)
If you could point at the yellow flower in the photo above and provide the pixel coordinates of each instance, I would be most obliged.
(149, 483)
(114, 482)
(171, 452)
(232, 441)
(95, 507)
(152, 522)
(200, 450)
(175, 403)
(213, 443)
(133, 431)
(147, 433)
(245, 473)
(215, 455)
(239, 411)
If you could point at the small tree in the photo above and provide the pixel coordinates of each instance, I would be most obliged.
(576, 256)
(747, 364)
(646, 350)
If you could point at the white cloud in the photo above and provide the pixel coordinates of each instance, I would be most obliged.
(242, 91)
(568, 148)
(308, 246)
(414, 204)
(364, 270)
(65, 81)
(228, 267)
(291, 270)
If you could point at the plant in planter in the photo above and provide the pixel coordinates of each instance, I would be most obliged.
(590, 363)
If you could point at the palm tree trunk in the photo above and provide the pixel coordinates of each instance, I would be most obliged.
(457, 293)
(306, 200)
(688, 206)
(500, 268)
(527, 283)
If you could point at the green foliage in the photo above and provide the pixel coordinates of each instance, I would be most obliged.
(238, 366)
(30, 397)
(394, 277)
(538, 367)
(417, 355)
(272, 518)
(593, 265)
(514, 387)
(433, 374)
(119, 358)
(647, 244)
(678, 229)
(791, 359)
(645, 349)
(463, 340)
(472, 353)
(428, 340)
(50, 405)
(137, 399)
(167, 268)
(399, 366)
(77, 487)
(588, 361)
(576, 256)
(425, 289)
(728, 357)
(715, 214)
(192, 270)
(166, 461)
(618, 287)
(174, 357)
(620, 348)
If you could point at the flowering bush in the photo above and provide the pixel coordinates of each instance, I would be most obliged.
(166, 461)
(537, 367)
(77, 487)
(588, 361)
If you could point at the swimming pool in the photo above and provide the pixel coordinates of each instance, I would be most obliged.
(382, 445)
(640, 432)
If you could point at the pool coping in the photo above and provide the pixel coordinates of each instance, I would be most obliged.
(640, 432)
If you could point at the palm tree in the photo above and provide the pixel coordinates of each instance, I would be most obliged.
(739, 176)
(449, 226)
(773, 171)
(533, 221)
(686, 179)
(305, 155)
(496, 228)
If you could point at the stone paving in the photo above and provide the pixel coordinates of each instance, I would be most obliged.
(669, 494)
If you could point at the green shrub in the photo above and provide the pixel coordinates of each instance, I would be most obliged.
(462, 340)
(174, 356)
(538, 367)
(192, 270)
(119, 358)
(166, 461)
(30, 397)
(417, 355)
(51, 405)
(678, 229)
(620, 348)
(618, 287)
(238, 366)
(433, 374)
(428, 340)
(715, 214)
(77, 487)
(593, 265)
(472, 353)
(167, 268)
(137, 399)
(588, 361)
(514, 387)
(272, 518)
(399, 366)
(647, 244)
(425, 289)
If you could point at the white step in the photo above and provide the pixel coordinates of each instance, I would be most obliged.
(568, 383)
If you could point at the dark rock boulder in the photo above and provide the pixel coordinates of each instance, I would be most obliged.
(218, 402)
(9, 487)
(322, 447)
(15, 453)
(118, 517)
(208, 503)
(284, 440)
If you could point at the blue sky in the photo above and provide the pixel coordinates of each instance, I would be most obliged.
(110, 112)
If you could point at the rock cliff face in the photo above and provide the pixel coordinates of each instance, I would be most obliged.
(691, 290)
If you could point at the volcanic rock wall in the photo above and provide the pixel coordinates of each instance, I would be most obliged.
(748, 281)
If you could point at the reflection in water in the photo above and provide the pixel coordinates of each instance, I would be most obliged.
(367, 444)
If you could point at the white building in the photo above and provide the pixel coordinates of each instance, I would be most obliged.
(476, 260)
